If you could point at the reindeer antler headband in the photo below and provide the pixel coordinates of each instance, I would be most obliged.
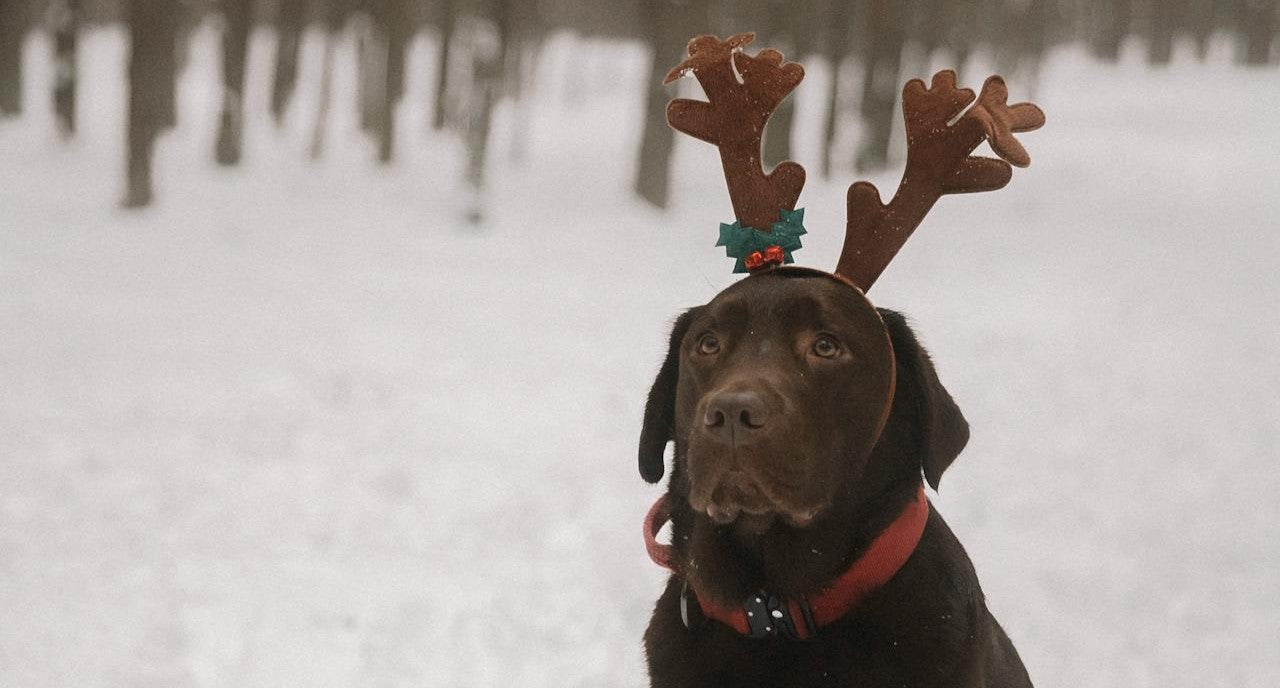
(744, 90)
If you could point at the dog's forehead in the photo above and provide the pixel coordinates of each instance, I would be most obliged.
(798, 300)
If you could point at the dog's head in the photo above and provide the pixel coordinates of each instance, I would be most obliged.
(782, 390)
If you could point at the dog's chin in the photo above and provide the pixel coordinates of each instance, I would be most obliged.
(739, 500)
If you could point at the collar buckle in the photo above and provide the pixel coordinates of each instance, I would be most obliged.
(771, 616)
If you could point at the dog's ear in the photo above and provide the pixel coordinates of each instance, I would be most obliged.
(660, 410)
(939, 428)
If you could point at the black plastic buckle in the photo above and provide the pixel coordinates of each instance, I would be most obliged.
(769, 616)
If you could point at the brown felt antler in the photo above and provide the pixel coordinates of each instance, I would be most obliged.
(743, 91)
(938, 162)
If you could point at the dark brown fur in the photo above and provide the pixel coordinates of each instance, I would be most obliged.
(808, 446)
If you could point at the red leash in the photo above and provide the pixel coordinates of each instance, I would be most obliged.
(765, 615)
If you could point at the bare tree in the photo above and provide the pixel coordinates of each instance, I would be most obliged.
(13, 28)
(440, 103)
(334, 13)
(883, 38)
(391, 22)
(780, 17)
(153, 28)
(1165, 23)
(485, 39)
(1202, 21)
(1256, 32)
(1109, 22)
(962, 34)
(523, 64)
(370, 70)
(64, 16)
(839, 32)
(238, 15)
(668, 25)
(290, 17)
(1025, 39)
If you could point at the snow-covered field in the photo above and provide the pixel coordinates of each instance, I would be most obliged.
(299, 425)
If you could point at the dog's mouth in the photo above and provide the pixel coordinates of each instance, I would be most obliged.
(739, 498)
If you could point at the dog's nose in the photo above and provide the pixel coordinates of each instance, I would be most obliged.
(736, 417)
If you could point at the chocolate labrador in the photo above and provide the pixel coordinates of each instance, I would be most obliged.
(803, 548)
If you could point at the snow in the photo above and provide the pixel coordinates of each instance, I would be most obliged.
(300, 424)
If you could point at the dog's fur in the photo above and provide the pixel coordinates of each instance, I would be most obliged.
(786, 467)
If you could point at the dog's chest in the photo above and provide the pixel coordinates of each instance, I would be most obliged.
(712, 657)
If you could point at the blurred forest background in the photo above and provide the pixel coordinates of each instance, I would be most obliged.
(485, 51)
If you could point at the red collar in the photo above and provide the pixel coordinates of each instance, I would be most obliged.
(764, 615)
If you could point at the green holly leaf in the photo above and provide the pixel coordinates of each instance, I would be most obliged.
(740, 242)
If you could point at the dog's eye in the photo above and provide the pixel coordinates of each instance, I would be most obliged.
(826, 347)
(709, 345)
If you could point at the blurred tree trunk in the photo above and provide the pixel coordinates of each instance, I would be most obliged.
(839, 28)
(391, 20)
(440, 110)
(238, 15)
(883, 39)
(1109, 22)
(1026, 40)
(964, 32)
(1166, 20)
(523, 66)
(488, 40)
(1200, 24)
(371, 55)
(289, 23)
(65, 20)
(523, 38)
(12, 31)
(1257, 20)
(153, 28)
(334, 13)
(927, 24)
(668, 26)
(782, 37)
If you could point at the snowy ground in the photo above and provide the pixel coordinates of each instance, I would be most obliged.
(300, 426)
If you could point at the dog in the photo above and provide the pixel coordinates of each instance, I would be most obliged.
(803, 419)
